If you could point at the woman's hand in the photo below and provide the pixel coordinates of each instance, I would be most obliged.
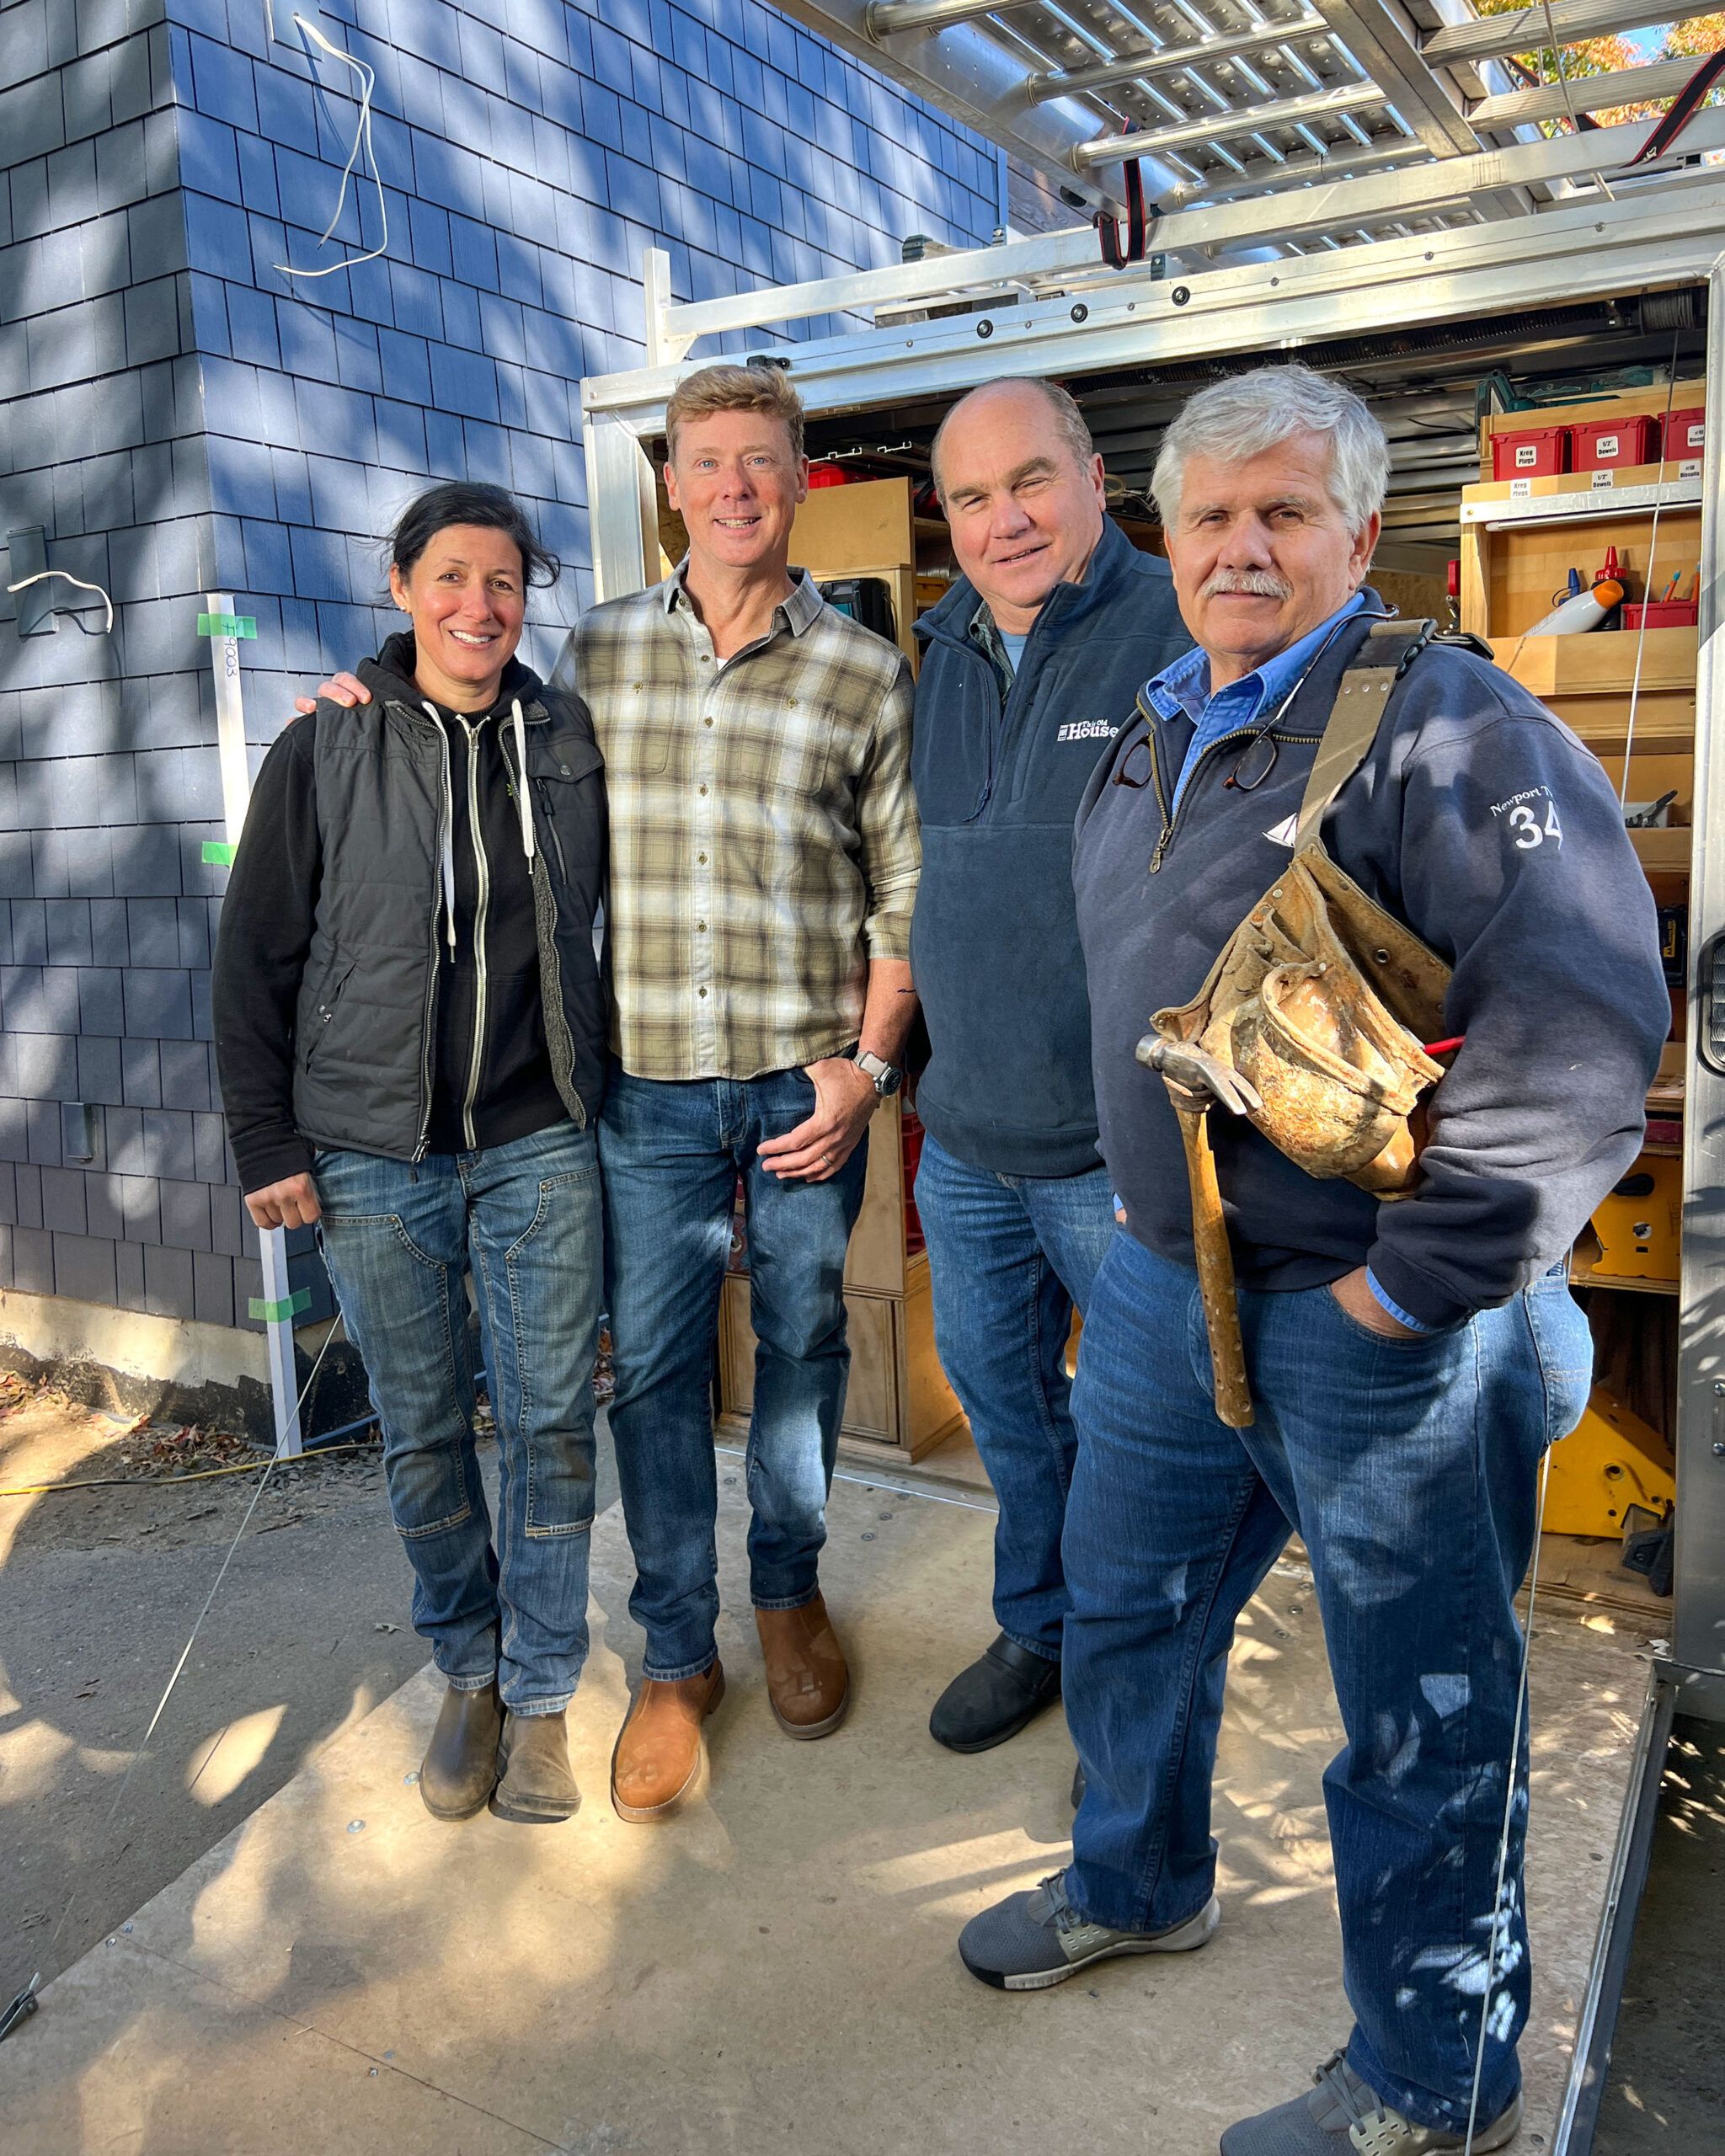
(293, 1202)
(345, 689)
(844, 1099)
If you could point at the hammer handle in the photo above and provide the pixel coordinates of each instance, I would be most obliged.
(1216, 1276)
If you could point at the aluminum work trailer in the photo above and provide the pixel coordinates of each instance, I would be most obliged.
(1361, 186)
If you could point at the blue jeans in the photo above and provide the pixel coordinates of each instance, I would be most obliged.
(672, 1151)
(1410, 1471)
(398, 1241)
(1009, 1257)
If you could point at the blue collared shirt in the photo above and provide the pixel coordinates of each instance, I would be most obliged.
(1182, 690)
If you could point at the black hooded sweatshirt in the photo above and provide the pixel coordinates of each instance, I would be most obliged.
(269, 913)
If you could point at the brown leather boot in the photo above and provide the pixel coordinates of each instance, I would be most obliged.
(658, 1755)
(460, 1770)
(807, 1679)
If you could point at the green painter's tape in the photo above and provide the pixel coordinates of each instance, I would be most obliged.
(228, 625)
(298, 1301)
(218, 853)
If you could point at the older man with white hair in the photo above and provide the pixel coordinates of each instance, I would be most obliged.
(1406, 1362)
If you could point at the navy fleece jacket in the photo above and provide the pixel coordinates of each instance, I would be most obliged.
(994, 939)
(1480, 820)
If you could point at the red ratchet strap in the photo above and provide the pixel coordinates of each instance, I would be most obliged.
(1684, 107)
(1137, 231)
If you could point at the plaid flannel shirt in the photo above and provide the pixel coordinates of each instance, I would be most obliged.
(764, 844)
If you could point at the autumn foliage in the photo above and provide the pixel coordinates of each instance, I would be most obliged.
(1611, 55)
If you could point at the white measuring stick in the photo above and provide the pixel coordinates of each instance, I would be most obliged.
(277, 1298)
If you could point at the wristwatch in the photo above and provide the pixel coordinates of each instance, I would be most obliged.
(885, 1077)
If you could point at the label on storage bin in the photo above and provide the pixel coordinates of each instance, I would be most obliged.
(1603, 479)
(1696, 431)
(1520, 488)
(1527, 455)
(1607, 446)
(1690, 468)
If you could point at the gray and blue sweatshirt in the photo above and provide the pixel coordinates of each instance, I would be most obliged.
(999, 767)
(1482, 822)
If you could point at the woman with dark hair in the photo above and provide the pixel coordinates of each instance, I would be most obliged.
(411, 1030)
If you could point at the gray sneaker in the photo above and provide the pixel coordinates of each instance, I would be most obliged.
(1342, 2116)
(1031, 1941)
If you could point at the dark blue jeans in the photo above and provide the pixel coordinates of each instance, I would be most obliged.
(399, 1242)
(1009, 1257)
(671, 1153)
(1410, 1471)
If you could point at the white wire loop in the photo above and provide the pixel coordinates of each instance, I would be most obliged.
(24, 582)
(362, 138)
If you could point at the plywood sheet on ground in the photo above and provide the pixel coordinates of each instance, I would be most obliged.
(774, 1973)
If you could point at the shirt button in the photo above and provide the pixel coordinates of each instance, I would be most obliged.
(702, 926)
(700, 991)
(707, 721)
(706, 658)
(701, 858)
(700, 789)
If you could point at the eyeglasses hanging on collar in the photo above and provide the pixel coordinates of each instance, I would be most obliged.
(1264, 747)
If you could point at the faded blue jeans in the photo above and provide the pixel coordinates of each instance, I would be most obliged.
(1410, 1471)
(399, 1242)
(672, 1151)
(1009, 1257)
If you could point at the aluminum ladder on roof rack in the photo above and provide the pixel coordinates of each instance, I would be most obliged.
(1218, 98)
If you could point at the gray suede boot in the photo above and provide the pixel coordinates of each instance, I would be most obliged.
(537, 1786)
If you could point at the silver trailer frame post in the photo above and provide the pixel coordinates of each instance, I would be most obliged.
(622, 508)
(1698, 1625)
(275, 1305)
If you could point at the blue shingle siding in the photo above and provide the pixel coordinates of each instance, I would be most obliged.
(181, 417)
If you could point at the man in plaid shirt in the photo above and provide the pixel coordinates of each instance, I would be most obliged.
(764, 861)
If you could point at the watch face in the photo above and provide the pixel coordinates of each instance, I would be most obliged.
(888, 1082)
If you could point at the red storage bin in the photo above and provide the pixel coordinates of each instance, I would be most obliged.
(1601, 444)
(1663, 613)
(1536, 453)
(1686, 435)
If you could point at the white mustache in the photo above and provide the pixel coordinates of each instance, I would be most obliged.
(1256, 583)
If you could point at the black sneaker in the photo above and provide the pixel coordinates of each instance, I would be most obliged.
(1030, 1941)
(993, 1698)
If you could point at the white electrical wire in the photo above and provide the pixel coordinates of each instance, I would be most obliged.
(362, 136)
(24, 582)
(175, 1675)
(1563, 78)
(1512, 1781)
(1640, 642)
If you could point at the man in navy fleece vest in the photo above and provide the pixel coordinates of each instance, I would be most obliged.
(1029, 664)
(1409, 1362)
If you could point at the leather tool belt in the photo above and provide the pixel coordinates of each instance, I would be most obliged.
(1320, 999)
